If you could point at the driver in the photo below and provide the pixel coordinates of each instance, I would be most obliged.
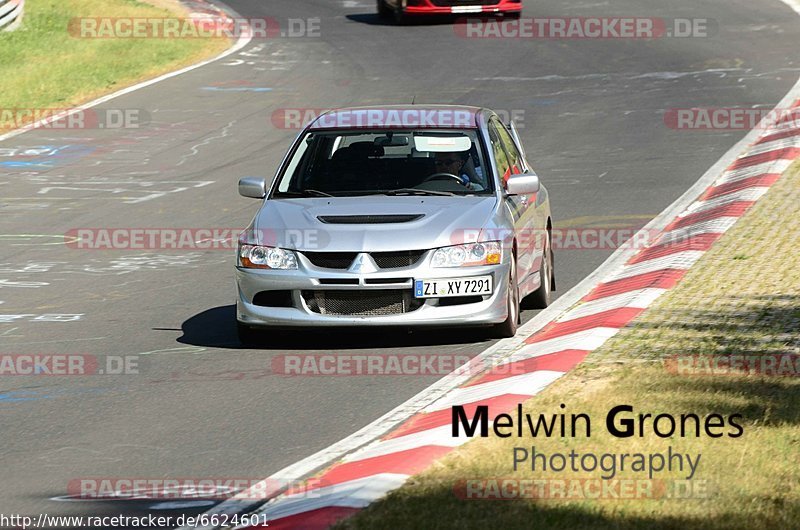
(456, 163)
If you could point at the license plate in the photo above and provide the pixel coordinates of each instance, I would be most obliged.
(466, 9)
(448, 287)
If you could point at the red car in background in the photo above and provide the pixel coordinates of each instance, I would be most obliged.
(402, 10)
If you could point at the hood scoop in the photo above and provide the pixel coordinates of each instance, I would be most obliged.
(368, 219)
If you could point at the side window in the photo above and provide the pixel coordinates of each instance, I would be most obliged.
(515, 158)
(500, 155)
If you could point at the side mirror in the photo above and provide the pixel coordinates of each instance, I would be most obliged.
(252, 187)
(523, 184)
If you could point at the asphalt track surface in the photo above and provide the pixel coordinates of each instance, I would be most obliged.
(201, 405)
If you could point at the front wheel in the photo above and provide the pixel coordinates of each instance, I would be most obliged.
(400, 16)
(383, 10)
(247, 335)
(541, 298)
(508, 328)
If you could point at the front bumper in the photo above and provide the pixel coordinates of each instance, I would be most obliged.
(427, 7)
(488, 309)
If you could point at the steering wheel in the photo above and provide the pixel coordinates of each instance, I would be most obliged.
(444, 176)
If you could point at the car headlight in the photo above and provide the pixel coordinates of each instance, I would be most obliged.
(260, 257)
(469, 255)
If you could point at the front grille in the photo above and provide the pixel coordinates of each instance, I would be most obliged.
(331, 260)
(449, 3)
(365, 302)
(393, 260)
(369, 219)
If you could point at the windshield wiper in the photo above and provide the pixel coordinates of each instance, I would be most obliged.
(308, 192)
(416, 191)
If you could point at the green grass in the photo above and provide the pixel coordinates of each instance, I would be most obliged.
(743, 297)
(42, 66)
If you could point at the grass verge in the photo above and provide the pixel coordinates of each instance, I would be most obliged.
(43, 66)
(742, 298)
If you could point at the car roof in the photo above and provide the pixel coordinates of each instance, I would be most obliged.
(400, 117)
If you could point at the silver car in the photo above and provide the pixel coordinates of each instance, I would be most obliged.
(397, 216)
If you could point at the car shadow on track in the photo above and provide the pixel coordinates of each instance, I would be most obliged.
(216, 328)
(372, 19)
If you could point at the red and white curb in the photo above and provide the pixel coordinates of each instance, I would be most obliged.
(369, 473)
(380, 457)
(383, 465)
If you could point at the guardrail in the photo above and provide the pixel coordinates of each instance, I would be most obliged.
(11, 14)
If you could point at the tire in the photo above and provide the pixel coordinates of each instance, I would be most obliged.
(247, 335)
(514, 15)
(383, 10)
(400, 16)
(508, 328)
(541, 298)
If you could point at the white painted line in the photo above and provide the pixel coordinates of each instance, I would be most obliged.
(244, 39)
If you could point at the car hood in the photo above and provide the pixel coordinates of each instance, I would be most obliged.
(295, 224)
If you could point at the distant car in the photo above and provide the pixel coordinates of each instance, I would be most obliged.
(397, 216)
(402, 10)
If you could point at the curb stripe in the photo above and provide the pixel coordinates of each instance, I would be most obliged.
(429, 420)
(612, 318)
(694, 242)
(354, 494)
(732, 210)
(777, 166)
(438, 436)
(636, 298)
(404, 461)
(313, 520)
(560, 361)
(525, 384)
(679, 260)
(662, 279)
(386, 463)
(767, 179)
(747, 161)
(750, 195)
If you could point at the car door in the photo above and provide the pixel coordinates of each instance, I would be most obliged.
(535, 222)
(510, 162)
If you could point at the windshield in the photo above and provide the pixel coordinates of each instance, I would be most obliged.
(393, 162)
